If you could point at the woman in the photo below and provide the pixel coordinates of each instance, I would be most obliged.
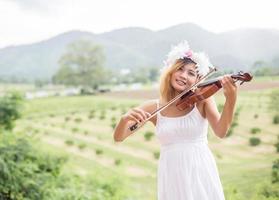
(187, 169)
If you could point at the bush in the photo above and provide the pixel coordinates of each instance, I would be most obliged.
(91, 116)
(82, 146)
(113, 125)
(156, 154)
(75, 129)
(102, 115)
(276, 119)
(275, 172)
(113, 107)
(28, 174)
(99, 151)
(229, 133)
(69, 142)
(256, 116)
(24, 172)
(277, 144)
(255, 130)
(113, 119)
(10, 110)
(148, 135)
(254, 141)
(117, 161)
(67, 119)
(277, 147)
(78, 120)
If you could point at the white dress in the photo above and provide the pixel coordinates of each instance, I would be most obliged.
(187, 169)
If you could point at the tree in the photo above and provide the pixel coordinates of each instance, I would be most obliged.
(82, 65)
(9, 110)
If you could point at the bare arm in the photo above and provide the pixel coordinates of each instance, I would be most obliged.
(221, 123)
(138, 114)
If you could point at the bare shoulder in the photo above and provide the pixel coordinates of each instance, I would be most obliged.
(150, 106)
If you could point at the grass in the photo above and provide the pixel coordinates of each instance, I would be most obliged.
(242, 167)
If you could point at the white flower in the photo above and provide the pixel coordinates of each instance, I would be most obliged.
(203, 63)
(182, 50)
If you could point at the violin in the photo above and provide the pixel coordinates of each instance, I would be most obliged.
(207, 89)
(198, 92)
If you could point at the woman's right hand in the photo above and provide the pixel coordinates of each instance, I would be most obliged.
(136, 114)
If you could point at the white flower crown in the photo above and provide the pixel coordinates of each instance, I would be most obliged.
(182, 50)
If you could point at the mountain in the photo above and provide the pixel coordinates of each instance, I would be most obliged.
(136, 47)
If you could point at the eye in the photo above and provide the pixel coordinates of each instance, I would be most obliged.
(191, 73)
(180, 69)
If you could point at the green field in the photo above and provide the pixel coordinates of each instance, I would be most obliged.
(82, 128)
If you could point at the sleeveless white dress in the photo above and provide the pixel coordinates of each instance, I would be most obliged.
(187, 169)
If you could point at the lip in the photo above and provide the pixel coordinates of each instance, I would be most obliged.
(180, 81)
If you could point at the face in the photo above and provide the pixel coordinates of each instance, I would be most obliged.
(184, 77)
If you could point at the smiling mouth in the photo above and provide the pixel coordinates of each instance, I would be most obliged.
(180, 82)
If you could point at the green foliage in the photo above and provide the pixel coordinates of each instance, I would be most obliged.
(263, 191)
(102, 115)
(156, 154)
(273, 101)
(51, 115)
(82, 65)
(91, 116)
(277, 144)
(113, 125)
(78, 120)
(255, 130)
(69, 142)
(220, 107)
(275, 172)
(67, 118)
(148, 135)
(231, 193)
(254, 141)
(81, 146)
(276, 119)
(75, 129)
(117, 161)
(113, 119)
(24, 172)
(113, 107)
(9, 110)
(99, 151)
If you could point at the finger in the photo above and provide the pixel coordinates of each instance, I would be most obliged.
(138, 116)
(142, 112)
(134, 119)
(130, 116)
(148, 114)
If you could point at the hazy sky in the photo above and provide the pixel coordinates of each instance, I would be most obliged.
(27, 21)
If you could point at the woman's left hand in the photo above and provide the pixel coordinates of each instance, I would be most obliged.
(229, 87)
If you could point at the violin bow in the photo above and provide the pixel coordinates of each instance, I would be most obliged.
(137, 125)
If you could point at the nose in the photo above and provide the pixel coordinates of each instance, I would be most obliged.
(183, 75)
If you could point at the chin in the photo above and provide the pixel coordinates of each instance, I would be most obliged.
(179, 88)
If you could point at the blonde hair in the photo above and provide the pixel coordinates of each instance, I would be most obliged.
(167, 92)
